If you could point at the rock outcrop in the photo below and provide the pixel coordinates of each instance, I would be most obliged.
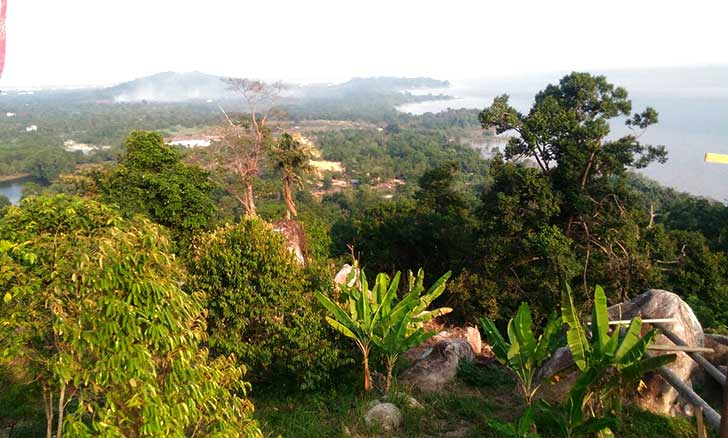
(385, 416)
(295, 238)
(437, 365)
(658, 396)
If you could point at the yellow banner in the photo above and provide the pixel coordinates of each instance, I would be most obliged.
(716, 158)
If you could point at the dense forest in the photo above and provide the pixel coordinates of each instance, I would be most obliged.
(147, 290)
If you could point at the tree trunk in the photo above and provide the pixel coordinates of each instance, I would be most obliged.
(391, 361)
(48, 405)
(290, 205)
(249, 199)
(367, 376)
(61, 400)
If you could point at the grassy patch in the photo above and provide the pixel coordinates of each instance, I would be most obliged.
(488, 375)
(640, 424)
(464, 411)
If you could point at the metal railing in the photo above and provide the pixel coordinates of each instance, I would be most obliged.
(702, 409)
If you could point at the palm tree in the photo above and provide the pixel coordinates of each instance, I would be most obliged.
(291, 156)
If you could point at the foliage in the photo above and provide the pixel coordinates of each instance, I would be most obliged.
(571, 420)
(484, 375)
(360, 317)
(378, 317)
(524, 354)
(522, 429)
(421, 231)
(610, 366)
(528, 256)
(261, 305)
(560, 208)
(152, 179)
(93, 312)
(290, 157)
(373, 156)
(402, 320)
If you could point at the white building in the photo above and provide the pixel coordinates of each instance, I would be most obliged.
(31, 128)
(10, 114)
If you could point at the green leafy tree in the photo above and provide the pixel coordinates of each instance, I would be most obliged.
(524, 354)
(420, 231)
(153, 180)
(291, 157)
(261, 304)
(378, 317)
(567, 213)
(4, 203)
(527, 255)
(402, 322)
(610, 364)
(566, 132)
(93, 313)
(359, 318)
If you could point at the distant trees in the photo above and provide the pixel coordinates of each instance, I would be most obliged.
(245, 141)
(435, 229)
(94, 313)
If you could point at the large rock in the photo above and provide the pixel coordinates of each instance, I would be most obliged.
(295, 238)
(385, 416)
(469, 334)
(658, 396)
(719, 356)
(438, 365)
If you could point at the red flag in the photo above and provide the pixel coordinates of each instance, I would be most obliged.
(3, 10)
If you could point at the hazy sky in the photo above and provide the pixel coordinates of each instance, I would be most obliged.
(104, 41)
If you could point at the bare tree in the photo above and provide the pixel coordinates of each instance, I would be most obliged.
(244, 141)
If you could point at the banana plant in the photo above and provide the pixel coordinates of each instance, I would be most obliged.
(524, 354)
(361, 314)
(402, 322)
(570, 420)
(611, 362)
(524, 428)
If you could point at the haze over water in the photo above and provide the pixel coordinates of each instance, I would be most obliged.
(693, 117)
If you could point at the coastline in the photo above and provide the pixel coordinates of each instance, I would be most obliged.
(18, 177)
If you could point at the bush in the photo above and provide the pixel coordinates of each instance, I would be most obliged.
(94, 318)
(261, 305)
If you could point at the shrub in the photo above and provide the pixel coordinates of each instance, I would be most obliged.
(93, 315)
(261, 306)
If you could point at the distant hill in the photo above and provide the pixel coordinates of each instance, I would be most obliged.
(170, 87)
(368, 86)
(178, 87)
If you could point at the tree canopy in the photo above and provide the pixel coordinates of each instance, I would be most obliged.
(152, 179)
(93, 311)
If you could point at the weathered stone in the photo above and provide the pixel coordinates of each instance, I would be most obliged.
(438, 366)
(660, 396)
(720, 350)
(295, 238)
(469, 334)
(472, 335)
(657, 396)
(343, 275)
(403, 400)
(386, 416)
